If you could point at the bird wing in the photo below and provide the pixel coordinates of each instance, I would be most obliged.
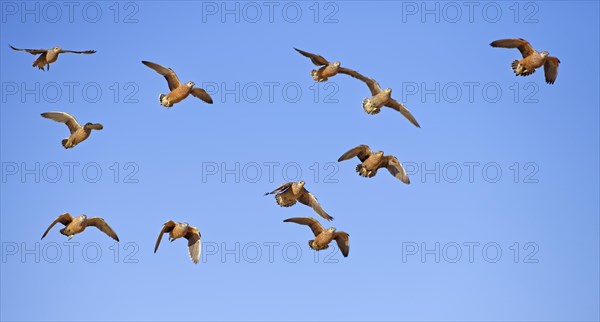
(86, 52)
(102, 225)
(31, 51)
(343, 241)
(316, 59)
(395, 168)
(168, 73)
(403, 110)
(310, 200)
(63, 117)
(362, 152)
(167, 227)
(551, 69)
(202, 94)
(194, 244)
(64, 219)
(314, 225)
(353, 73)
(373, 86)
(523, 45)
(281, 188)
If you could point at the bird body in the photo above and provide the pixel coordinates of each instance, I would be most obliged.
(178, 91)
(532, 59)
(78, 133)
(322, 74)
(323, 236)
(289, 193)
(76, 225)
(371, 162)
(327, 69)
(49, 56)
(178, 230)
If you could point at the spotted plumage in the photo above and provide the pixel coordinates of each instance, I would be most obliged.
(323, 236)
(179, 91)
(78, 133)
(532, 59)
(178, 230)
(49, 56)
(287, 194)
(371, 162)
(76, 225)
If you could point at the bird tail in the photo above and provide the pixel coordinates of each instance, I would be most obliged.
(64, 143)
(160, 97)
(39, 63)
(310, 243)
(520, 70)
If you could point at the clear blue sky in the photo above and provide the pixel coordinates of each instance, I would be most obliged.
(171, 162)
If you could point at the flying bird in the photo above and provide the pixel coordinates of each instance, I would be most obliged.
(371, 162)
(532, 59)
(328, 69)
(178, 90)
(177, 230)
(323, 236)
(380, 98)
(76, 225)
(78, 133)
(288, 193)
(48, 56)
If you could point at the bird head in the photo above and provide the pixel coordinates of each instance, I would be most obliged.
(190, 84)
(83, 217)
(331, 229)
(56, 49)
(185, 224)
(388, 90)
(337, 64)
(301, 183)
(379, 153)
(544, 54)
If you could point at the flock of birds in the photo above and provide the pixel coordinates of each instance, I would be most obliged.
(289, 193)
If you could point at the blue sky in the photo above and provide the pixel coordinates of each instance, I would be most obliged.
(533, 148)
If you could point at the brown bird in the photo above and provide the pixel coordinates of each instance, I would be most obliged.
(371, 162)
(380, 98)
(323, 236)
(76, 225)
(328, 69)
(48, 56)
(178, 91)
(177, 230)
(288, 193)
(78, 133)
(532, 59)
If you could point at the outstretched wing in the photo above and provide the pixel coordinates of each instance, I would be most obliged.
(167, 227)
(316, 59)
(551, 69)
(343, 241)
(64, 219)
(194, 244)
(281, 188)
(362, 152)
(202, 94)
(309, 199)
(353, 73)
(31, 51)
(403, 110)
(373, 86)
(168, 73)
(63, 117)
(86, 52)
(395, 168)
(523, 45)
(102, 225)
(314, 225)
